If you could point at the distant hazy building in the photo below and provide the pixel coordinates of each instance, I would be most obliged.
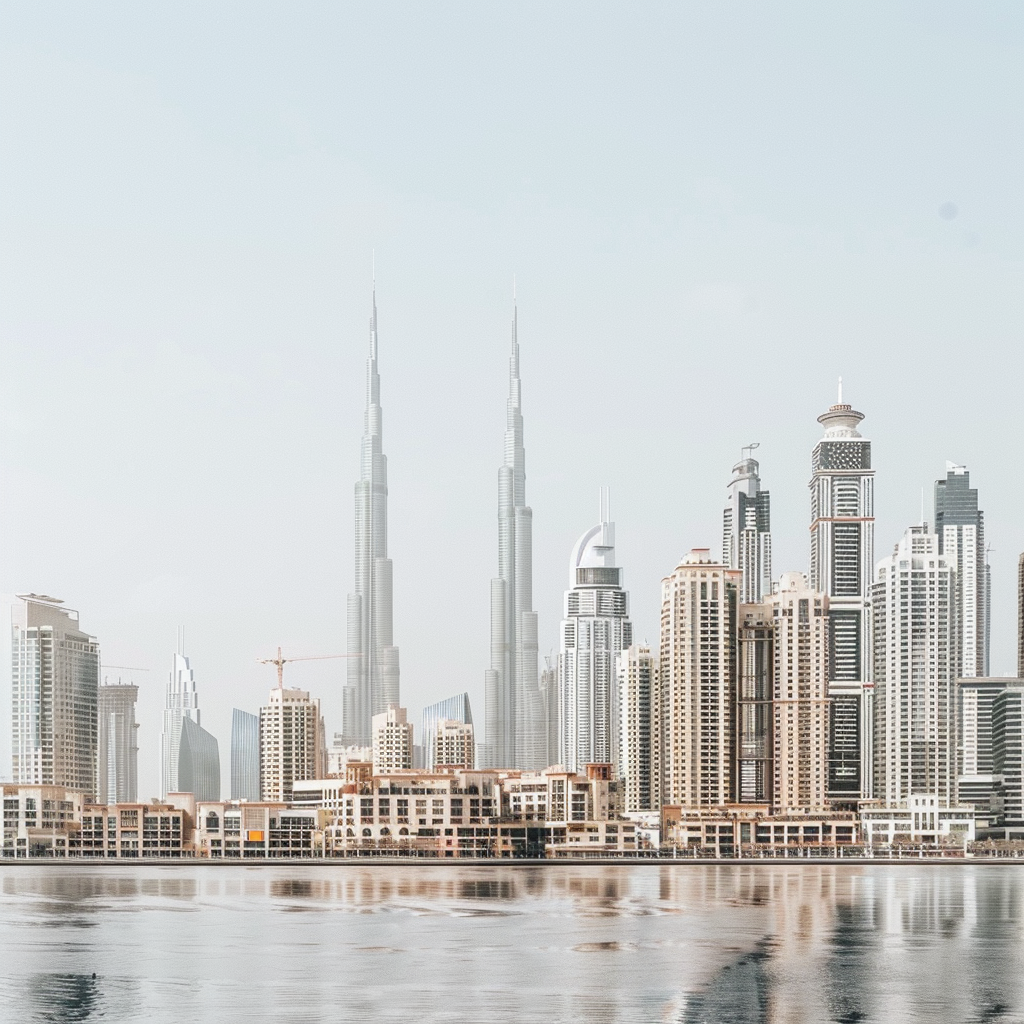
(373, 672)
(549, 702)
(746, 531)
(698, 679)
(245, 755)
(117, 771)
(453, 744)
(960, 526)
(392, 740)
(640, 728)
(800, 701)
(292, 743)
(454, 709)
(54, 706)
(842, 565)
(913, 603)
(182, 702)
(198, 762)
(595, 630)
(514, 733)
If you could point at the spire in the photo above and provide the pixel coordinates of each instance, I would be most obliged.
(839, 397)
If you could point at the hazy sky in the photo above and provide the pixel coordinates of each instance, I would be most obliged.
(711, 211)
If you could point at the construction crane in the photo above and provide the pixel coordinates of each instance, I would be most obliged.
(125, 668)
(280, 662)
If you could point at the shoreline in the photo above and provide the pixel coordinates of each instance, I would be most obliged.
(531, 862)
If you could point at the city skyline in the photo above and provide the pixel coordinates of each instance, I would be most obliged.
(188, 273)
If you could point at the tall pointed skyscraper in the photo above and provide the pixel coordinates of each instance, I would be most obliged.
(373, 675)
(513, 704)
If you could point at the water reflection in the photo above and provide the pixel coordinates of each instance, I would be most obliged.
(779, 943)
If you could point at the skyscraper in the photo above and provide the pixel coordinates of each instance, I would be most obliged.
(754, 703)
(198, 761)
(842, 552)
(800, 703)
(292, 743)
(55, 684)
(595, 631)
(960, 526)
(641, 721)
(746, 530)
(913, 605)
(513, 704)
(117, 771)
(453, 709)
(1020, 616)
(245, 756)
(373, 676)
(698, 681)
(182, 702)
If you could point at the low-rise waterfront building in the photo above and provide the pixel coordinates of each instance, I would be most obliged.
(920, 820)
(733, 830)
(37, 820)
(131, 831)
(238, 829)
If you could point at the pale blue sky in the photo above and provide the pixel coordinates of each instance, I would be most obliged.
(711, 212)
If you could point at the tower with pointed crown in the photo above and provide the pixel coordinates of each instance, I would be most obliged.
(513, 704)
(373, 677)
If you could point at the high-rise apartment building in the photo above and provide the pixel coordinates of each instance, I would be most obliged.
(746, 530)
(513, 705)
(182, 702)
(914, 630)
(54, 705)
(991, 771)
(453, 744)
(245, 756)
(595, 630)
(753, 715)
(373, 676)
(452, 709)
(800, 695)
(698, 681)
(117, 769)
(960, 526)
(392, 740)
(842, 554)
(198, 761)
(640, 728)
(1020, 616)
(293, 744)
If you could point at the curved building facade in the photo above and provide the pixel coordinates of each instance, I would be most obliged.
(595, 630)
(198, 762)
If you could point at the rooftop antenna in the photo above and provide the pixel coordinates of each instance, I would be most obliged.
(604, 504)
(922, 506)
(840, 399)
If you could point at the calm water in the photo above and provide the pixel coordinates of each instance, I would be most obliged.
(519, 944)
